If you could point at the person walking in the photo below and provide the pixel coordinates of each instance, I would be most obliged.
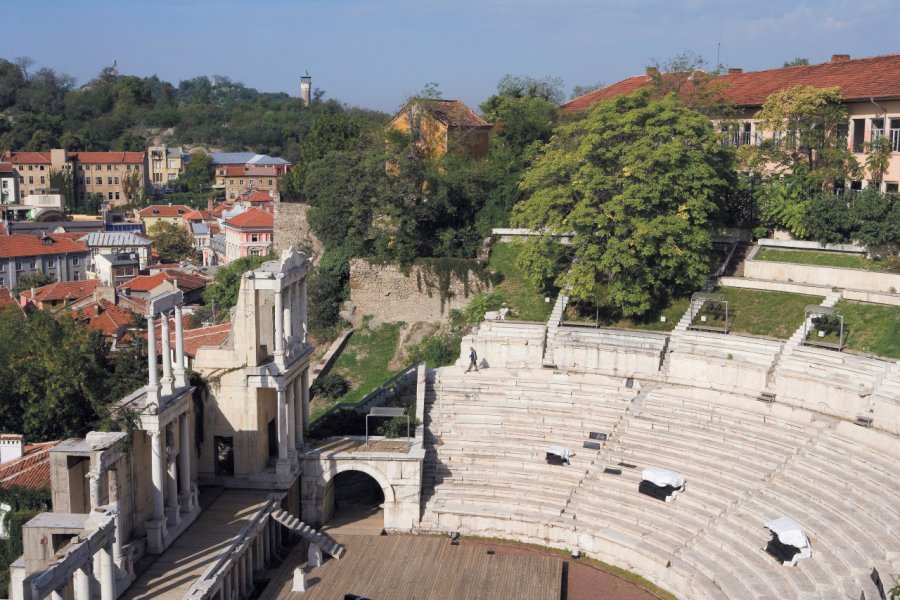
(473, 359)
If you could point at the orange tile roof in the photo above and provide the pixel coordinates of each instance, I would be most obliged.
(105, 316)
(186, 282)
(165, 210)
(253, 218)
(14, 246)
(260, 196)
(113, 158)
(29, 158)
(31, 470)
(859, 79)
(454, 113)
(64, 290)
(198, 215)
(214, 335)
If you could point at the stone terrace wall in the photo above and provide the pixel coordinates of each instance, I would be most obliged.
(385, 292)
(292, 229)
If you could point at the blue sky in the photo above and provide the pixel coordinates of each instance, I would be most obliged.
(375, 53)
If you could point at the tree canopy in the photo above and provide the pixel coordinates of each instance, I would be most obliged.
(637, 180)
(198, 172)
(224, 289)
(173, 242)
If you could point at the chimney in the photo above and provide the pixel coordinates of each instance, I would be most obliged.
(97, 309)
(840, 58)
(105, 292)
(652, 71)
(209, 203)
(305, 88)
(735, 71)
(10, 446)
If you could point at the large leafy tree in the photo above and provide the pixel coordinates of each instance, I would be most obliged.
(198, 172)
(173, 242)
(224, 289)
(637, 181)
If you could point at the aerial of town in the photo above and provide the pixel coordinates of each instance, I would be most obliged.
(373, 326)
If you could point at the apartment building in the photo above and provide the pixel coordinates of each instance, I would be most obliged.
(118, 177)
(171, 213)
(239, 173)
(248, 234)
(870, 88)
(55, 255)
(165, 165)
(9, 183)
(33, 169)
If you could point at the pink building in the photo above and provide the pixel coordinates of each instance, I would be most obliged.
(248, 234)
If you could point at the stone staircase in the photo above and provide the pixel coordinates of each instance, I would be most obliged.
(553, 323)
(298, 527)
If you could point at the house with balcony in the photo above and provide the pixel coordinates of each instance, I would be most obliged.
(248, 234)
(870, 89)
(165, 165)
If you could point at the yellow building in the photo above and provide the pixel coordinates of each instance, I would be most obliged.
(164, 165)
(439, 127)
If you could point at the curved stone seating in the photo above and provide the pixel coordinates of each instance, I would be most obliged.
(622, 353)
(506, 344)
(745, 463)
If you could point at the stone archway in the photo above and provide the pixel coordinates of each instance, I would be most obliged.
(386, 488)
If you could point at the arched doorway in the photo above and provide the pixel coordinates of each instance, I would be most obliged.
(358, 503)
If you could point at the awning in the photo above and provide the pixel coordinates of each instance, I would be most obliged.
(662, 477)
(788, 531)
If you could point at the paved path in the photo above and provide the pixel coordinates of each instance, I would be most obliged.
(173, 572)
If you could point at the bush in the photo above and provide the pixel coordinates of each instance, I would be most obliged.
(438, 350)
(330, 386)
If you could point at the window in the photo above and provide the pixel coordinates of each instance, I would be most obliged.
(116, 180)
(254, 237)
(5, 184)
(43, 179)
(21, 168)
(173, 164)
(31, 167)
(241, 182)
(110, 195)
(76, 277)
(109, 181)
(31, 179)
(891, 187)
(98, 180)
(18, 265)
(877, 130)
(51, 262)
(855, 186)
(270, 182)
(97, 167)
(117, 195)
(127, 167)
(109, 167)
(41, 168)
(157, 164)
(254, 252)
(76, 261)
(32, 264)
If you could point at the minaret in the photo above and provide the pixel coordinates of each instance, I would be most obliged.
(305, 88)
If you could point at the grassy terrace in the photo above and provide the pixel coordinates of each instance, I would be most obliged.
(825, 259)
(773, 314)
(872, 328)
(589, 316)
(526, 301)
(364, 362)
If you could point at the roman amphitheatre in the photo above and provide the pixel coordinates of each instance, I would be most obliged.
(576, 462)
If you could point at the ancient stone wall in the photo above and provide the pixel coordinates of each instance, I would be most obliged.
(292, 229)
(388, 293)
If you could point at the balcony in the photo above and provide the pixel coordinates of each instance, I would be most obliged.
(737, 138)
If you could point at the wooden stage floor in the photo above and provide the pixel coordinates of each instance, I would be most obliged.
(423, 567)
(175, 570)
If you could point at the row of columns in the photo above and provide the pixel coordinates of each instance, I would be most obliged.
(170, 470)
(114, 499)
(238, 581)
(293, 412)
(83, 578)
(171, 380)
(290, 316)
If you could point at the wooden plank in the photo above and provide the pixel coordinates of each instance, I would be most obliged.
(398, 567)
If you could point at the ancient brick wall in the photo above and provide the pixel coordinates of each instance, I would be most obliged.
(388, 293)
(292, 229)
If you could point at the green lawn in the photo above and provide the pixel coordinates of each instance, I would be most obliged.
(364, 362)
(824, 259)
(526, 301)
(872, 328)
(774, 314)
(672, 313)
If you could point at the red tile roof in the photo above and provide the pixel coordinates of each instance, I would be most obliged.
(14, 246)
(249, 170)
(198, 215)
(253, 218)
(860, 79)
(186, 282)
(64, 290)
(454, 113)
(6, 167)
(214, 335)
(165, 210)
(105, 317)
(6, 297)
(31, 470)
(29, 158)
(260, 196)
(113, 158)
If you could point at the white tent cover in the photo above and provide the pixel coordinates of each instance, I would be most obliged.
(561, 451)
(788, 532)
(662, 477)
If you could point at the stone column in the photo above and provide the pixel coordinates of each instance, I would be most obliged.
(282, 467)
(60, 593)
(180, 371)
(288, 318)
(279, 322)
(153, 385)
(173, 511)
(291, 422)
(226, 586)
(115, 495)
(184, 464)
(168, 387)
(157, 441)
(304, 388)
(82, 580)
(94, 492)
(107, 574)
(303, 311)
(297, 384)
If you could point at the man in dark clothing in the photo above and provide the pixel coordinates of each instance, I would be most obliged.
(473, 360)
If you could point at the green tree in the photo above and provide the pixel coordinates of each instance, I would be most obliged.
(637, 181)
(223, 291)
(198, 172)
(173, 242)
(878, 157)
(797, 62)
(35, 279)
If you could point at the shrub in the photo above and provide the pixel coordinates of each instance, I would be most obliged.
(330, 386)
